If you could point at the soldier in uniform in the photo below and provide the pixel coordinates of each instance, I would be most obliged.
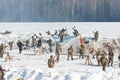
(1, 50)
(19, 44)
(82, 51)
(48, 32)
(119, 59)
(34, 40)
(58, 49)
(27, 43)
(104, 62)
(98, 56)
(51, 62)
(96, 34)
(76, 33)
(10, 44)
(50, 44)
(70, 52)
(39, 42)
(110, 57)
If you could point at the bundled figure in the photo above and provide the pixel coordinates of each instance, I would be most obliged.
(19, 44)
(110, 57)
(70, 52)
(82, 51)
(51, 62)
(1, 50)
(119, 59)
(96, 35)
(11, 44)
(104, 62)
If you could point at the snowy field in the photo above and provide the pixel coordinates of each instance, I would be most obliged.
(34, 67)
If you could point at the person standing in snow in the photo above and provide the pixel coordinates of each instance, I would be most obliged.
(76, 33)
(119, 59)
(27, 42)
(39, 42)
(58, 49)
(51, 62)
(104, 62)
(11, 44)
(96, 35)
(19, 44)
(70, 52)
(1, 50)
(82, 51)
(110, 57)
(50, 44)
(98, 56)
(34, 38)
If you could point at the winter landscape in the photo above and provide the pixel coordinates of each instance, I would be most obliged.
(31, 65)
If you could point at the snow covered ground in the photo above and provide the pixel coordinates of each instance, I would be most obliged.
(32, 67)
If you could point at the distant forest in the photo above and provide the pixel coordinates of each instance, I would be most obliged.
(59, 10)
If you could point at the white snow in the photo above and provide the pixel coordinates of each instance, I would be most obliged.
(32, 67)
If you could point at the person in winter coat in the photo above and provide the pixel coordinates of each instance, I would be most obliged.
(27, 42)
(39, 43)
(104, 62)
(70, 52)
(110, 57)
(82, 51)
(50, 43)
(19, 44)
(98, 56)
(1, 50)
(51, 62)
(58, 50)
(76, 33)
(11, 44)
(34, 39)
(119, 59)
(96, 35)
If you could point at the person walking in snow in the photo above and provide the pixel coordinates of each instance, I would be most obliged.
(70, 52)
(19, 44)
